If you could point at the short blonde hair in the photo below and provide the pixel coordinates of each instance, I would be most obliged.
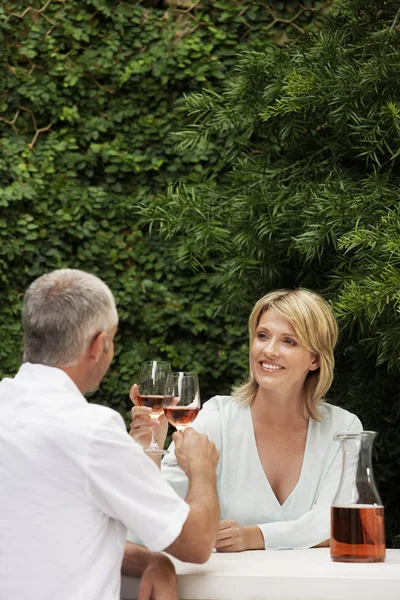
(315, 326)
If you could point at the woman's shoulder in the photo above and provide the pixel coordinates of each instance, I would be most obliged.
(222, 404)
(219, 414)
(215, 415)
(338, 418)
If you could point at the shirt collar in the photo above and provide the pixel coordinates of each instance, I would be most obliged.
(42, 374)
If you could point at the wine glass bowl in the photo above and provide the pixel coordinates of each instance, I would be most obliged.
(152, 380)
(181, 399)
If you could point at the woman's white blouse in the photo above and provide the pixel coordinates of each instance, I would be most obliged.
(245, 494)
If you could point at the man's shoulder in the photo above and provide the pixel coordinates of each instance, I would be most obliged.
(91, 417)
(102, 414)
(84, 425)
(68, 411)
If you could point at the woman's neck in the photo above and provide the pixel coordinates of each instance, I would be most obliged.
(280, 407)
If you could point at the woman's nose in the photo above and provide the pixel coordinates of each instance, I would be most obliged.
(271, 347)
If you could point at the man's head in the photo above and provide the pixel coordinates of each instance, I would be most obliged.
(69, 320)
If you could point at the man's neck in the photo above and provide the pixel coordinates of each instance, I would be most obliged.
(78, 376)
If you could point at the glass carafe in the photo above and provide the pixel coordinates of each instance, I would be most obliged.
(357, 514)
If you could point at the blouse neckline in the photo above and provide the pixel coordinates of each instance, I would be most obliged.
(303, 466)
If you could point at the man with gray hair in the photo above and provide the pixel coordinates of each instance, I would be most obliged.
(72, 479)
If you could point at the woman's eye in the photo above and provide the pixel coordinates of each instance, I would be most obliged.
(262, 336)
(291, 342)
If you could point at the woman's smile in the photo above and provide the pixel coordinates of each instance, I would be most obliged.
(269, 367)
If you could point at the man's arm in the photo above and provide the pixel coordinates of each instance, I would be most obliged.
(145, 502)
(198, 458)
(158, 578)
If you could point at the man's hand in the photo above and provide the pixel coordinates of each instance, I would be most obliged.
(233, 537)
(158, 581)
(142, 423)
(157, 573)
(195, 452)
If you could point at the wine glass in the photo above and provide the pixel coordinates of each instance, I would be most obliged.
(152, 379)
(181, 399)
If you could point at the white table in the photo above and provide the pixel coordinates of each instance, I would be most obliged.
(284, 575)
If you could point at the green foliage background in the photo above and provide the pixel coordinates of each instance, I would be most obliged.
(87, 102)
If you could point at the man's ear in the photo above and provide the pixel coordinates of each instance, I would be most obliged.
(315, 363)
(97, 346)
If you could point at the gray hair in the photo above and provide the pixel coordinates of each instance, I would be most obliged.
(63, 311)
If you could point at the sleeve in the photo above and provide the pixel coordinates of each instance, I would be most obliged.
(208, 422)
(313, 527)
(126, 485)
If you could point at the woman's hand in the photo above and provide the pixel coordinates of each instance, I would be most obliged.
(233, 537)
(142, 423)
(230, 537)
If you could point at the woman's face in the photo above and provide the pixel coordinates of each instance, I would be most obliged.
(277, 358)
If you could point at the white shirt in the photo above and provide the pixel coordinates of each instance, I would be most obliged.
(71, 482)
(245, 494)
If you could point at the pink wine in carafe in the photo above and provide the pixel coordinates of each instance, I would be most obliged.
(358, 533)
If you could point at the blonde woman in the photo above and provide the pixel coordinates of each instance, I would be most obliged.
(279, 465)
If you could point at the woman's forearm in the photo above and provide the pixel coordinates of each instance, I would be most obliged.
(324, 544)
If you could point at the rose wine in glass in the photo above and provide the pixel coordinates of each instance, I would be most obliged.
(181, 399)
(152, 379)
(153, 402)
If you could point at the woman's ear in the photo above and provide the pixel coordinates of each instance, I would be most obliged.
(315, 363)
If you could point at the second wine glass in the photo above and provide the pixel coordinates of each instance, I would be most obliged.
(181, 399)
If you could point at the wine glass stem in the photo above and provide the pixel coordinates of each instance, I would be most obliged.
(154, 447)
(153, 442)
